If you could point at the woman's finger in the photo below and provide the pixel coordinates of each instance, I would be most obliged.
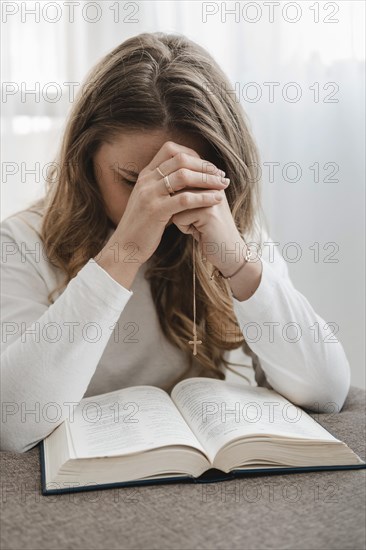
(184, 178)
(185, 160)
(188, 200)
(168, 150)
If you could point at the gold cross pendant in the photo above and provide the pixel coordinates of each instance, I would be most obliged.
(195, 342)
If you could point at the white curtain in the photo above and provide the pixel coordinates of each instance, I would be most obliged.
(298, 68)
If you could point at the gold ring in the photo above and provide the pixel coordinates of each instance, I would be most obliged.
(160, 172)
(168, 186)
(167, 182)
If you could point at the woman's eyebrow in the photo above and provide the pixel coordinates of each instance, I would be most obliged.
(119, 169)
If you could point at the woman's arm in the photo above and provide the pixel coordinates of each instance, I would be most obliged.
(49, 352)
(296, 351)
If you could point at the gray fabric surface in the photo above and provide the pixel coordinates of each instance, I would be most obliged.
(319, 510)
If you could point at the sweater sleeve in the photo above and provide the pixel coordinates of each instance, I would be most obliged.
(48, 352)
(295, 352)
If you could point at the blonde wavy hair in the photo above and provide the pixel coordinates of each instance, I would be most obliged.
(166, 81)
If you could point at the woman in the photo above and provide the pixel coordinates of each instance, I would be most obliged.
(98, 292)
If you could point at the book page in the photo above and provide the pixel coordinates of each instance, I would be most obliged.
(219, 412)
(127, 421)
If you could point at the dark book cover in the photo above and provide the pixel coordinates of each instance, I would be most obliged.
(210, 476)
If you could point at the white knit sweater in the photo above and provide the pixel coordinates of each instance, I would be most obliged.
(99, 336)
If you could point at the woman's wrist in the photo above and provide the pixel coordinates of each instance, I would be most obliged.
(246, 282)
(234, 263)
(243, 276)
(244, 261)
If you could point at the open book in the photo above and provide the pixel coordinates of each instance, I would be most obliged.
(141, 434)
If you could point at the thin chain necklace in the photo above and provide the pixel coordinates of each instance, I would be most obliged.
(194, 342)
